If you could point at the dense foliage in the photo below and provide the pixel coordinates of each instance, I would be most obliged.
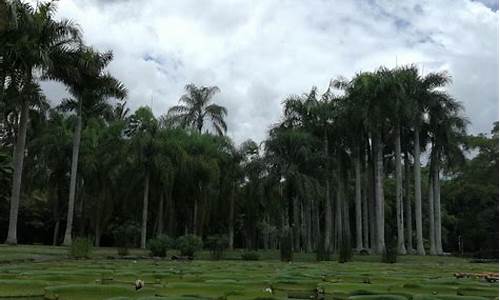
(384, 151)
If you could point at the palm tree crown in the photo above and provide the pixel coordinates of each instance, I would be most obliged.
(196, 107)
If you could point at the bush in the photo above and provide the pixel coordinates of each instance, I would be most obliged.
(286, 251)
(80, 248)
(124, 236)
(345, 250)
(390, 254)
(188, 244)
(364, 252)
(159, 246)
(322, 254)
(486, 253)
(217, 244)
(250, 255)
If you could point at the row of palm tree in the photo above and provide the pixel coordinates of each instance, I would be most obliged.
(355, 135)
(336, 159)
(38, 47)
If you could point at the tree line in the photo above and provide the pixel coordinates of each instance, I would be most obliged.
(361, 165)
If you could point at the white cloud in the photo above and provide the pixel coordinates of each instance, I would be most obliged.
(258, 52)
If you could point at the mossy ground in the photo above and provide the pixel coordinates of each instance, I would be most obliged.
(53, 276)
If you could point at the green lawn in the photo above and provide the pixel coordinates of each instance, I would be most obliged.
(50, 275)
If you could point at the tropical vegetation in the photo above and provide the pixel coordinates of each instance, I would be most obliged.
(382, 156)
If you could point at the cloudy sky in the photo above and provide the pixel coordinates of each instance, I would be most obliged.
(258, 52)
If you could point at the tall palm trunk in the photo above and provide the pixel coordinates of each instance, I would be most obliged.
(328, 204)
(379, 192)
(18, 173)
(359, 220)
(56, 232)
(231, 219)
(432, 230)
(144, 226)
(408, 217)
(72, 183)
(418, 194)
(316, 227)
(296, 224)
(399, 193)
(308, 222)
(161, 211)
(437, 208)
(371, 200)
(364, 199)
(338, 212)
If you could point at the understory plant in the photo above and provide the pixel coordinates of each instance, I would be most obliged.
(217, 244)
(286, 247)
(159, 245)
(80, 248)
(189, 244)
(125, 236)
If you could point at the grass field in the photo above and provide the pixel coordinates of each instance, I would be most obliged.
(40, 272)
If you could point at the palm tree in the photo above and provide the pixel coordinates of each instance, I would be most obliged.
(196, 107)
(35, 42)
(143, 128)
(90, 90)
(447, 128)
(415, 91)
(370, 91)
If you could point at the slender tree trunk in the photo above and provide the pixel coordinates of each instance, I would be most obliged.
(161, 212)
(359, 220)
(56, 232)
(145, 204)
(72, 184)
(437, 208)
(338, 214)
(418, 194)
(231, 219)
(97, 233)
(379, 192)
(399, 193)
(432, 230)
(18, 173)
(316, 225)
(371, 198)
(328, 203)
(308, 215)
(408, 217)
(346, 226)
(364, 198)
(328, 217)
(296, 224)
(80, 199)
(195, 217)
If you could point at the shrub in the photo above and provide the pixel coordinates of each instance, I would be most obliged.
(124, 236)
(486, 253)
(286, 251)
(159, 246)
(80, 248)
(250, 255)
(322, 254)
(345, 250)
(364, 252)
(390, 255)
(217, 244)
(188, 244)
